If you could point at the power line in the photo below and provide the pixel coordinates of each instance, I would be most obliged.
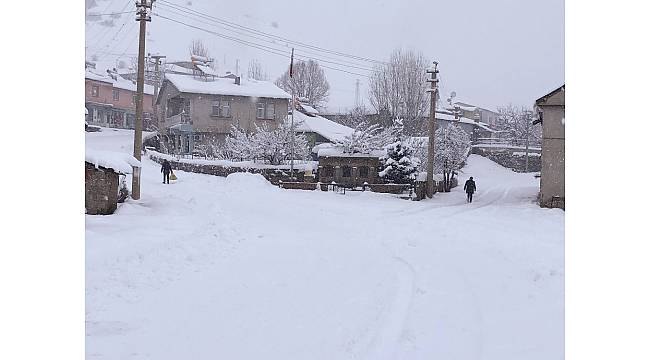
(107, 14)
(276, 37)
(108, 29)
(248, 43)
(318, 56)
(276, 49)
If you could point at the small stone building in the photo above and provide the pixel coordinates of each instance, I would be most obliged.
(551, 117)
(103, 170)
(348, 169)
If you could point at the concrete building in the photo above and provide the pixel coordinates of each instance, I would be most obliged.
(487, 116)
(203, 108)
(551, 117)
(110, 100)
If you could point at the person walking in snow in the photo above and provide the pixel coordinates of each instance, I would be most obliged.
(470, 187)
(166, 169)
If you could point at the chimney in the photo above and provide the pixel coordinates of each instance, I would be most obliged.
(237, 80)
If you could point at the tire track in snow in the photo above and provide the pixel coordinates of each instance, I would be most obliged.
(386, 341)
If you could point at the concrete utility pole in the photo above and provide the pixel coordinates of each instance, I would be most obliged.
(357, 97)
(143, 17)
(293, 109)
(156, 59)
(527, 116)
(432, 126)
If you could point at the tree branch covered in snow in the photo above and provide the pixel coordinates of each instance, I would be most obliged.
(452, 146)
(255, 71)
(515, 121)
(268, 144)
(367, 138)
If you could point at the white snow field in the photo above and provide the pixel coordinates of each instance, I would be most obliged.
(235, 268)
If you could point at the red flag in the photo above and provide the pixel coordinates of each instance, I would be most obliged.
(291, 65)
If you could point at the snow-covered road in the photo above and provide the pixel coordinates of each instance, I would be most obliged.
(235, 268)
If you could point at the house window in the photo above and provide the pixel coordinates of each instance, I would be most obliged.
(225, 109)
(197, 137)
(270, 111)
(135, 99)
(260, 111)
(215, 107)
(363, 171)
(116, 95)
(347, 171)
(94, 91)
(328, 171)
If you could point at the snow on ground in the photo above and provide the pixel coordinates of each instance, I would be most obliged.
(235, 268)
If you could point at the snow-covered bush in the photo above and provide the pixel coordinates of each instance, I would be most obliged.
(268, 144)
(399, 165)
(123, 192)
(367, 138)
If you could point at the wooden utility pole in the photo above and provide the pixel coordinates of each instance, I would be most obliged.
(143, 17)
(432, 126)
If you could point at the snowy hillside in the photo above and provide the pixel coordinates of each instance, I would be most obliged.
(235, 268)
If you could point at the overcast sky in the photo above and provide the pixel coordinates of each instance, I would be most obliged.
(490, 52)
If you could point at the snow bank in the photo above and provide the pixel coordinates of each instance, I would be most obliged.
(246, 182)
(120, 162)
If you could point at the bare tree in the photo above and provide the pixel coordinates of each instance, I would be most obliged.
(255, 71)
(397, 89)
(354, 117)
(308, 81)
(515, 121)
(198, 48)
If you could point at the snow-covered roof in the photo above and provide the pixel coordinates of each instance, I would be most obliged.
(207, 70)
(222, 86)
(338, 152)
(309, 110)
(450, 117)
(117, 161)
(326, 128)
(117, 82)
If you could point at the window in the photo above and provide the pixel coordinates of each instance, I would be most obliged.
(135, 99)
(328, 171)
(197, 137)
(363, 171)
(270, 111)
(116, 95)
(225, 109)
(347, 171)
(260, 111)
(215, 107)
(94, 91)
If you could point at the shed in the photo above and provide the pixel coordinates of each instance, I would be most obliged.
(102, 171)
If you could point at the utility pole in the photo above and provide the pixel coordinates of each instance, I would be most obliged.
(156, 59)
(527, 116)
(293, 109)
(432, 126)
(357, 95)
(143, 17)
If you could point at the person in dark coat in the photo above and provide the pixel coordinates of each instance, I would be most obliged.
(166, 169)
(470, 187)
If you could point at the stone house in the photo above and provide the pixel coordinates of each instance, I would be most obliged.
(110, 100)
(348, 169)
(551, 117)
(102, 172)
(197, 109)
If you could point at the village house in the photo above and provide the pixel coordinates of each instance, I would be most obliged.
(202, 108)
(348, 169)
(111, 99)
(318, 129)
(551, 117)
(473, 112)
(476, 130)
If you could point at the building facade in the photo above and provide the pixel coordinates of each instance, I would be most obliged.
(111, 99)
(552, 173)
(198, 110)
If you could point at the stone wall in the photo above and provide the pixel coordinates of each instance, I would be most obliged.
(101, 190)
(334, 168)
(272, 175)
(511, 160)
